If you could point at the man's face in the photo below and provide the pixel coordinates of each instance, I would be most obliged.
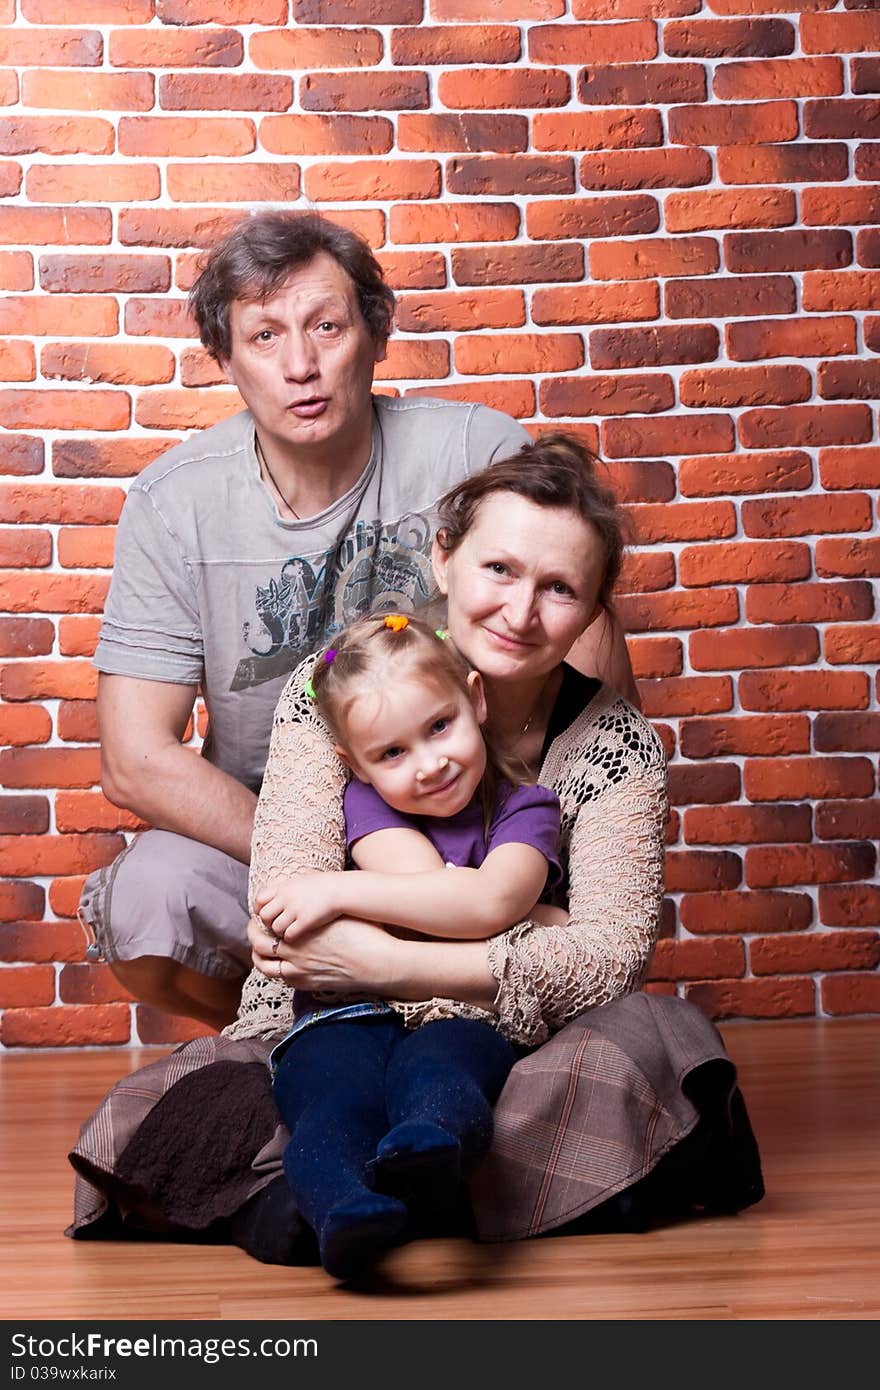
(303, 359)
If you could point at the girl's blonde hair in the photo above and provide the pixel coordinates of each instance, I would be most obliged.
(358, 659)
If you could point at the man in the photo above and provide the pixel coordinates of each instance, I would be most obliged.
(241, 551)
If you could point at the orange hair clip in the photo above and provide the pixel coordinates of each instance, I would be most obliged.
(397, 622)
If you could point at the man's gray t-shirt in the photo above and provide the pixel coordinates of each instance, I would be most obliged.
(211, 587)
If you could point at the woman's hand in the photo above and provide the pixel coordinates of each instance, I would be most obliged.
(347, 956)
(291, 906)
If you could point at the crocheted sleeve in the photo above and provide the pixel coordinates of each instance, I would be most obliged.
(298, 826)
(611, 780)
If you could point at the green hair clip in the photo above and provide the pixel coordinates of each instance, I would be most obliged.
(310, 689)
(441, 633)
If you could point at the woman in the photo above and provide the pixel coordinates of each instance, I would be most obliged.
(626, 1107)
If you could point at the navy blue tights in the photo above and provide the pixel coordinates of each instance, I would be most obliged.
(382, 1122)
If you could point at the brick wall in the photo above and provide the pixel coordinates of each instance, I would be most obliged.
(646, 220)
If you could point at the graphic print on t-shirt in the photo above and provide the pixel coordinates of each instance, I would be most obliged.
(375, 568)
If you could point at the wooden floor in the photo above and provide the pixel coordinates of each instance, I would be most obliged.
(810, 1250)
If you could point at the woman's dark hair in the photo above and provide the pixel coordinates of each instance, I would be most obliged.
(553, 471)
(256, 258)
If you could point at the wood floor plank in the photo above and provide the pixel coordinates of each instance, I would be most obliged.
(810, 1250)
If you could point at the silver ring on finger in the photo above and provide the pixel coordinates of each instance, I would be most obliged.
(280, 968)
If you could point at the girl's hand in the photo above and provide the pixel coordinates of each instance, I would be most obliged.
(298, 904)
(346, 956)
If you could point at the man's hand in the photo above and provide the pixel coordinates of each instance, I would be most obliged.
(296, 905)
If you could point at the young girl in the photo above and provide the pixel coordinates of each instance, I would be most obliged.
(382, 1119)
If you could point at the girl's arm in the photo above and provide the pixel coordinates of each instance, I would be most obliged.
(452, 903)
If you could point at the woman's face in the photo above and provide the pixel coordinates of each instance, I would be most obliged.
(522, 586)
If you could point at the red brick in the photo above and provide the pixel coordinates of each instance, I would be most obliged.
(734, 825)
(173, 48)
(224, 92)
(838, 380)
(411, 360)
(96, 458)
(848, 468)
(167, 318)
(820, 207)
(841, 118)
(728, 38)
(26, 636)
(662, 699)
(718, 124)
(780, 690)
(44, 855)
(92, 315)
(24, 815)
(353, 135)
(868, 239)
(54, 593)
(243, 182)
(707, 783)
(38, 502)
(185, 410)
(43, 942)
(72, 1025)
(90, 984)
(221, 11)
(853, 645)
(850, 905)
(21, 900)
(704, 209)
(27, 986)
(641, 573)
(516, 265)
(360, 180)
(17, 361)
(808, 778)
(77, 721)
(88, 11)
(454, 222)
(743, 562)
(584, 304)
(728, 474)
(800, 337)
(301, 49)
(788, 998)
(643, 481)
(683, 521)
(364, 11)
(364, 91)
(785, 77)
(605, 394)
(655, 168)
(64, 896)
(846, 732)
(637, 438)
(516, 398)
(802, 516)
(16, 270)
(848, 820)
(529, 353)
(452, 131)
(851, 994)
(98, 410)
(27, 48)
(655, 656)
(107, 183)
(86, 547)
(587, 217)
(640, 84)
(716, 958)
(737, 648)
(726, 297)
(10, 179)
(644, 259)
(168, 135)
(865, 75)
(54, 135)
(623, 128)
(484, 43)
(78, 636)
(485, 175)
(25, 549)
(745, 386)
(826, 291)
(702, 871)
(90, 811)
(463, 310)
(23, 725)
(810, 603)
(105, 274)
(806, 425)
(836, 33)
(596, 44)
(677, 611)
(795, 250)
(788, 164)
(746, 912)
(87, 91)
(503, 88)
(653, 347)
(785, 865)
(119, 363)
(41, 226)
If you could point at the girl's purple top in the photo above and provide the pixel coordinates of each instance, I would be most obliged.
(522, 816)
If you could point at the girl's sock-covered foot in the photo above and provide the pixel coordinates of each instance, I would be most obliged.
(419, 1162)
(354, 1234)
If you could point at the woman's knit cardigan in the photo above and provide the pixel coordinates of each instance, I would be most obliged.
(609, 771)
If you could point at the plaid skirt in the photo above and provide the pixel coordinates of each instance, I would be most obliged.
(628, 1115)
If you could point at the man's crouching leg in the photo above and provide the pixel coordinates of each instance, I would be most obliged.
(169, 916)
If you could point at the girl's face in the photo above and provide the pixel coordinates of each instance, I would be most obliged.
(418, 742)
(522, 585)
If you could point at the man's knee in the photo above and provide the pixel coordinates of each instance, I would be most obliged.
(173, 988)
